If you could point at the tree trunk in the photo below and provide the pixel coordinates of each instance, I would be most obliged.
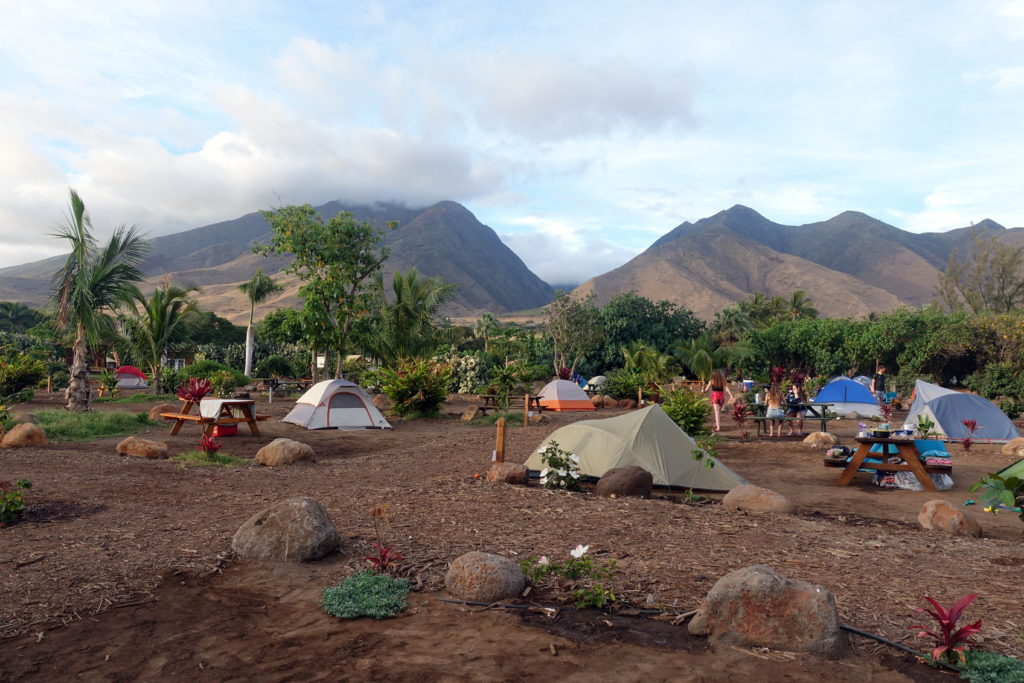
(249, 340)
(78, 395)
(313, 369)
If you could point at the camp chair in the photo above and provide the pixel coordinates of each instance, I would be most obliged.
(889, 397)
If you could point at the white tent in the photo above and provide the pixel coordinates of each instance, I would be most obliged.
(646, 438)
(336, 404)
(948, 409)
(562, 395)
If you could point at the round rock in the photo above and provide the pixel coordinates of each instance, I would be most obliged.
(24, 435)
(938, 515)
(284, 452)
(821, 439)
(484, 577)
(625, 481)
(294, 530)
(756, 499)
(508, 473)
(142, 448)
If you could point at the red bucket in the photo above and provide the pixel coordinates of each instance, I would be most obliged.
(225, 430)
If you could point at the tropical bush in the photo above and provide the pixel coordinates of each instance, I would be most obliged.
(274, 366)
(366, 594)
(687, 409)
(997, 380)
(417, 388)
(223, 382)
(623, 383)
(470, 371)
(20, 371)
(205, 369)
(12, 501)
(561, 468)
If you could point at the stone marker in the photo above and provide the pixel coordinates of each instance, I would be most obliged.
(24, 435)
(484, 577)
(625, 481)
(939, 515)
(294, 530)
(142, 448)
(756, 607)
(821, 439)
(284, 452)
(508, 473)
(756, 499)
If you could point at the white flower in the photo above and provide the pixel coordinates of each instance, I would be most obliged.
(574, 457)
(562, 473)
(575, 475)
(580, 551)
(544, 472)
(543, 561)
(541, 450)
(543, 481)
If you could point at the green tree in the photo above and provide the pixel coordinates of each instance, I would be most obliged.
(990, 278)
(153, 323)
(92, 282)
(206, 327)
(629, 317)
(258, 289)
(406, 329)
(283, 326)
(484, 328)
(18, 318)
(800, 306)
(574, 326)
(336, 262)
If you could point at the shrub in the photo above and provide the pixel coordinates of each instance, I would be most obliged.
(223, 382)
(561, 468)
(12, 501)
(624, 383)
(991, 667)
(580, 568)
(417, 388)
(273, 366)
(358, 370)
(205, 369)
(687, 409)
(470, 371)
(366, 594)
(18, 372)
(995, 380)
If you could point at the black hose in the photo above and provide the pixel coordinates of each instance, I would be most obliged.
(898, 646)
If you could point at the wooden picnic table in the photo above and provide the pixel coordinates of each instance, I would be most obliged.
(760, 409)
(906, 449)
(491, 403)
(217, 411)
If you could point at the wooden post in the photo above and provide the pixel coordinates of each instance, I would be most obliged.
(49, 384)
(500, 447)
(526, 410)
(639, 396)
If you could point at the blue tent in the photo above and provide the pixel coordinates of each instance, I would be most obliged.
(848, 396)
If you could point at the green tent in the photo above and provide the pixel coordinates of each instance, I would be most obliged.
(1014, 470)
(646, 438)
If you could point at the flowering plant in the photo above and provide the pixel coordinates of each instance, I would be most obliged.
(949, 639)
(578, 574)
(194, 389)
(740, 413)
(208, 445)
(384, 558)
(776, 374)
(561, 468)
(972, 426)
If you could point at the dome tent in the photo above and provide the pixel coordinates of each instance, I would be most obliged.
(130, 377)
(848, 396)
(948, 409)
(647, 438)
(336, 404)
(562, 395)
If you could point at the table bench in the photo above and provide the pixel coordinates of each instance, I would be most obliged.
(822, 420)
(223, 415)
(905, 449)
(515, 402)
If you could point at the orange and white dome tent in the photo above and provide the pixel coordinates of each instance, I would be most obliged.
(562, 395)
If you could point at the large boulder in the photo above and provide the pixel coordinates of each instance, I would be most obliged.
(142, 448)
(470, 413)
(756, 499)
(597, 400)
(508, 473)
(821, 439)
(294, 530)
(24, 435)
(627, 403)
(155, 411)
(625, 481)
(938, 515)
(284, 452)
(1014, 447)
(756, 607)
(608, 401)
(484, 577)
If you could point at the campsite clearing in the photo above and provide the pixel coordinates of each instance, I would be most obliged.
(134, 555)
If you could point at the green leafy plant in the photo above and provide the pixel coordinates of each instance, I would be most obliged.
(205, 369)
(925, 425)
(688, 410)
(1005, 491)
(624, 383)
(417, 388)
(366, 594)
(274, 366)
(12, 501)
(222, 382)
(948, 638)
(704, 455)
(561, 468)
(567, 575)
(108, 380)
(991, 667)
(19, 372)
(506, 379)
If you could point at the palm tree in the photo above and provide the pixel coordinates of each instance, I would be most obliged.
(258, 289)
(405, 328)
(152, 324)
(484, 327)
(699, 355)
(800, 306)
(730, 324)
(91, 283)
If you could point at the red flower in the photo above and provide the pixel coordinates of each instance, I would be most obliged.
(208, 445)
(949, 638)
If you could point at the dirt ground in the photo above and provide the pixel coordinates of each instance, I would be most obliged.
(121, 568)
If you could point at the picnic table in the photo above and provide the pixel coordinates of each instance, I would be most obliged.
(906, 449)
(491, 403)
(813, 411)
(217, 411)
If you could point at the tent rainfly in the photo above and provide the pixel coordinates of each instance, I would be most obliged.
(848, 396)
(130, 377)
(646, 438)
(948, 409)
(562, 395)
(336, 404)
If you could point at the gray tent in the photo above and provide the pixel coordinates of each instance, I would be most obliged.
(948, 409)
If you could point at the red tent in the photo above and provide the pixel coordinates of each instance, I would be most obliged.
(131, 370)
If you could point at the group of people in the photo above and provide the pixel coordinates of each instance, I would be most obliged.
(778, 406)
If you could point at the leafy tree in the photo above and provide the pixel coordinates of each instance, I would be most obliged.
(153, 324)
(406, 329)
(336, 262)
(990, 278)
(484, 328)
(574, 326)
(206, 327)
(283, 326)
(730, 324)
(258, 289)
(629, 317)
(91, 283)
(18, 318)
(800, 306)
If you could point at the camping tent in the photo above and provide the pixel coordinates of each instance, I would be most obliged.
(562, 395)
(948, 408)
(1014, 470)
(336, 404)
(130, 377)
(863, 379)
(595, 382)
(646, 438)
(849, 396)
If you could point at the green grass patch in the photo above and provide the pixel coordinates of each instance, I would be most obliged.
(515, 418)
(61, 425)
(137, 398)
(200, 458)
(366, 594)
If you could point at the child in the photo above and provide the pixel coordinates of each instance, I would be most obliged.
(796, 396)
(719, 388)
(775, 412)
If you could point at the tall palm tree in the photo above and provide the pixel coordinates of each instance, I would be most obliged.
(484, 327)
(730, 324)
(152, 323)
(406, 328)
(800, 306)
(91, 283)
(258, 289)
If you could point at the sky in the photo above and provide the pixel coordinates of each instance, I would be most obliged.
(579, 131)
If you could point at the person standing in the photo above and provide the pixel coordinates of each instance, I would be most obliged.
(878, 384)
(719, 388)
(775, 412)
(796, 398)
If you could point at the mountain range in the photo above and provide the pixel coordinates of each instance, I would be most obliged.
(850, 265)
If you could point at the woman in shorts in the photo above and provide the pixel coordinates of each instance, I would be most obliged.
(719, 388)
(794, 398)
